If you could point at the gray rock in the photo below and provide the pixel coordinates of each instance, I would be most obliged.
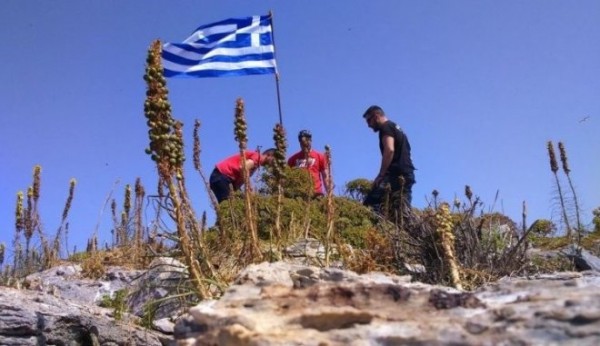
(149, 292)
(38, 318)
(67, 282)
(583, 259)
(286, 304)
(164, 325)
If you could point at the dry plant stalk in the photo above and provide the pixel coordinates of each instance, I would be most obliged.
(524, 217)
(125, 216)
(446, 236)
(554, 169)
(195, 227)
(279, 136)
(565, 166)
(435, 194)
(32, 221)
(166, 149)
(19, 228)
(198, 167)
(330, 205)
(240, 131)
(138, 234)
(2, 250)
(115, 231)
(65, 214)
(401, 212)
(469, 194)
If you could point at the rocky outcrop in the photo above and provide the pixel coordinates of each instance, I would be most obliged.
(287, 304)
(60, 307)
(38, 318)
(295, 304)
(583, 259)
(67, 282)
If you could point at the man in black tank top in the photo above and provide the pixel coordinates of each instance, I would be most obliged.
(396, 162)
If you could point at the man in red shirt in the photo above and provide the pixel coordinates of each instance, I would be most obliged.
(228, 173)
(310, 159)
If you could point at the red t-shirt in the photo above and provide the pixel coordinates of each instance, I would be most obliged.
(231, 167)
(316, 164)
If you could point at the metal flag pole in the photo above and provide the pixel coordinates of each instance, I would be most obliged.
(276, 69)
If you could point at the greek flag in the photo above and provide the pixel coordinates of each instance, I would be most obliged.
(232, 47)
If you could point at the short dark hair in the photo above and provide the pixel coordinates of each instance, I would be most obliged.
(304, 133)
(270, 151)
(372, 110)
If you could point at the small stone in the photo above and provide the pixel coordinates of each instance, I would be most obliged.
(475, 328)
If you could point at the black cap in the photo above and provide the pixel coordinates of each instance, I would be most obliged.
(304, 133)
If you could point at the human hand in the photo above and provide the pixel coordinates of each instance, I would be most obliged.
(377, 180)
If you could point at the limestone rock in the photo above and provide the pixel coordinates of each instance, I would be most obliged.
(165, 277)
(38, 318)
(289, 304)
(67, 282)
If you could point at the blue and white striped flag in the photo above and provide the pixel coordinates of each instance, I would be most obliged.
(232, 47)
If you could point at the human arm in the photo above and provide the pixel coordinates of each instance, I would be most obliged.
(250, 166)
(386, 157)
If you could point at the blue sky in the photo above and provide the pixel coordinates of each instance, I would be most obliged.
(478, 86)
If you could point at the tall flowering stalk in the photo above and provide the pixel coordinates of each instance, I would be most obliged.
(198, 167)
(330, 204)
(116, 228)
(127, 201)
(279, 164)
(435, 194)
(554, 169)
(35, 196)
(32, 219)
(524, 217)
(2, 249)
(19, 228)
(19, 213)
(444, 230)
(240, 132)
(63, 220)
(138, 202)
(469, 194)
(37, 171)
(166, 149)
(125, 216)
(567, 170)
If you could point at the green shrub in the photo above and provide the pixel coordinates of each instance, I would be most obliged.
(79, 257)
(358, 189)
(542, 227)
(116, 302)
(297, 183)
(298, 217)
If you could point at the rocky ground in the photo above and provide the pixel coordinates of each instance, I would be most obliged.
(292, 304)
(283, 304)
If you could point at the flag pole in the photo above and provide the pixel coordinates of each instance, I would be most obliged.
(276, 70)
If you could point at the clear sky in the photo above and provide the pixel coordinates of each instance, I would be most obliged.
(478, 86)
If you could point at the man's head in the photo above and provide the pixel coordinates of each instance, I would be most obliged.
(267, 157)
(375, 117)
(305, 139)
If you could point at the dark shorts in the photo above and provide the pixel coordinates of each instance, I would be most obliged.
(377, 194)
(220, 185)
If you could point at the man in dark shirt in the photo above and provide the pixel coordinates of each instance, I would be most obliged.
(396, 162)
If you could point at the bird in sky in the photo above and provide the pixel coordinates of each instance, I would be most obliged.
(584, 119)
